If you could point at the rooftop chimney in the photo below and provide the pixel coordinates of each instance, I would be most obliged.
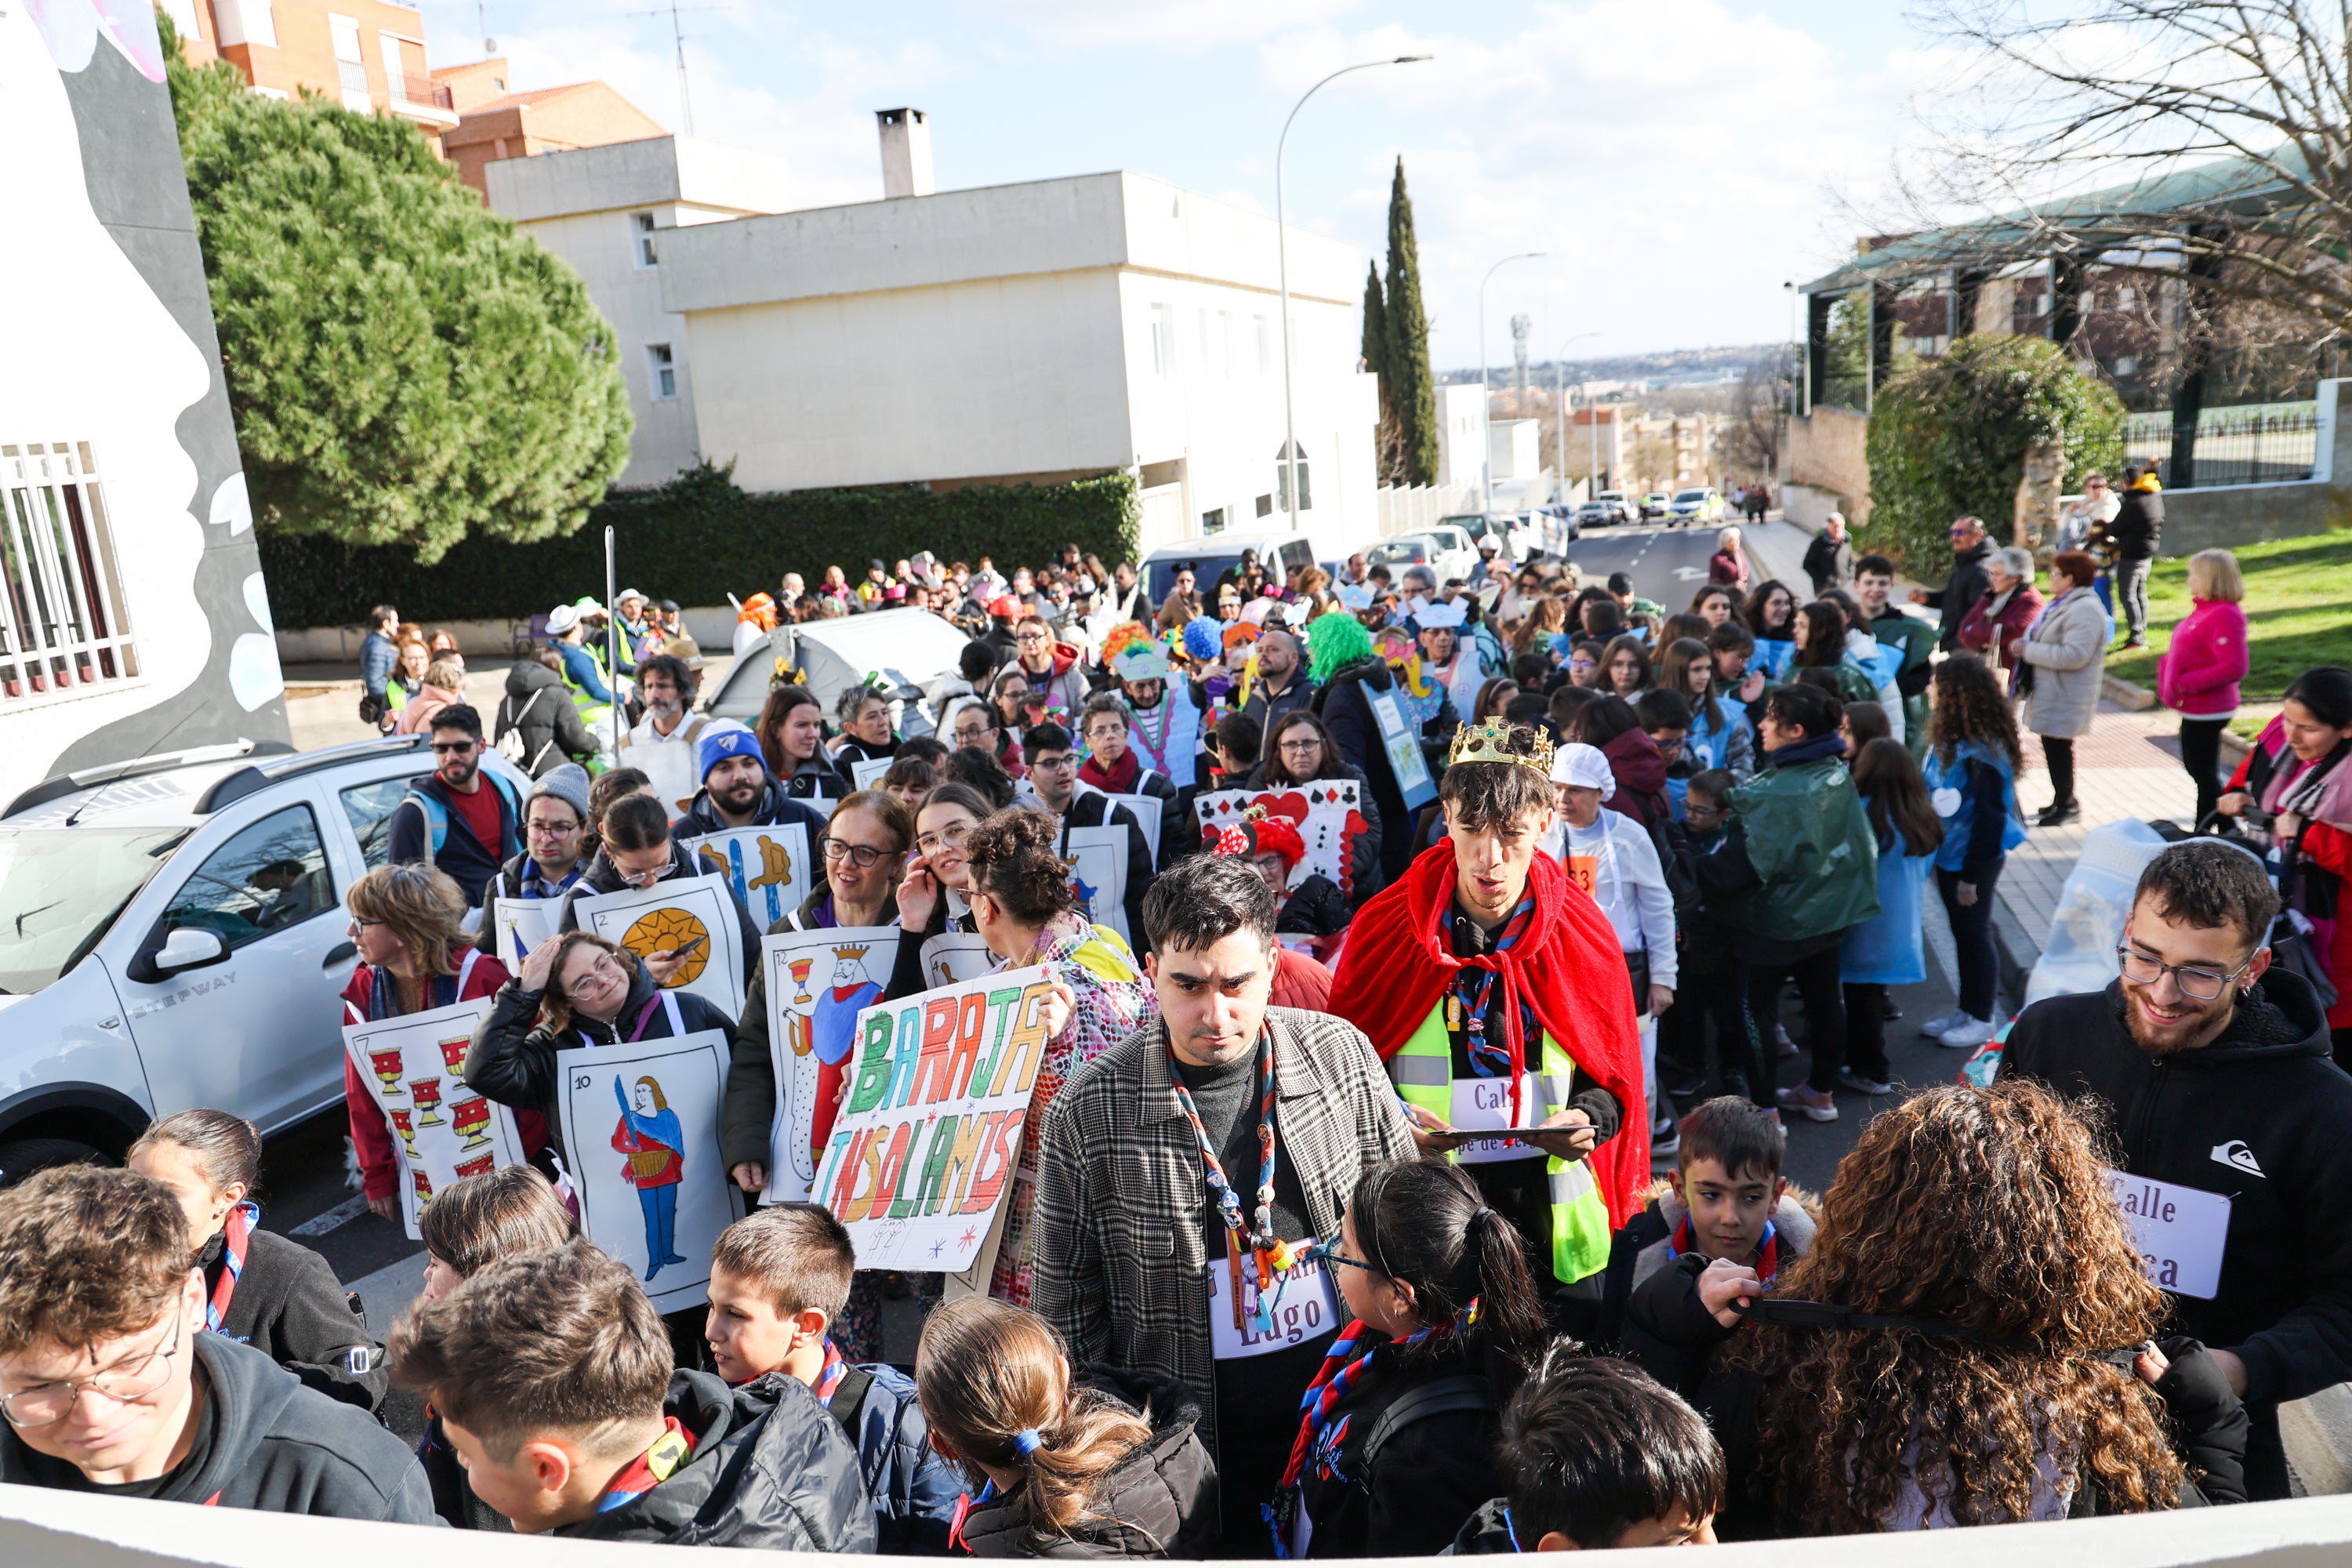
(905, 153)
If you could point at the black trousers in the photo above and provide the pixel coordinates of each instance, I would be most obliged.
(2058, 751)
(1866, 1031)
(2201, 754)
(1819, 990)
(1972, 938)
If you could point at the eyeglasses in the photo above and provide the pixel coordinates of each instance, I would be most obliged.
(950, 838)
(858, 855)
(1300, 748)
(360, 922)
(1330, 1253)
(1032, 637)
(125, 1382)
(602, 977)
(972, 734)
(2197, 984)
(453, 748)
(552, 829)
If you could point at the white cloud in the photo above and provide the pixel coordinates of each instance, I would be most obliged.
(1191, 28)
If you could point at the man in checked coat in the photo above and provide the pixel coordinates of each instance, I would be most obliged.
(1137, 1264)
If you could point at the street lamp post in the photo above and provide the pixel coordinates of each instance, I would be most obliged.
(1486, 458)
(1287, 466)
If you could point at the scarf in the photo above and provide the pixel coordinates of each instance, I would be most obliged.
(1566, 968)
(237, 1236)
(650, 1469)
(829, 1375)
(1119, 778)
(1474, 991)
(1767, 1251)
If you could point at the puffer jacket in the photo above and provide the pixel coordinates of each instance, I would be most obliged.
(770, 1471)
(2199, 675)
(552, 729)
(2067, 651)
(1160, 1500)
(914, 1491)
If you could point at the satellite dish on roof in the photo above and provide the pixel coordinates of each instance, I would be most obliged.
(489, 45)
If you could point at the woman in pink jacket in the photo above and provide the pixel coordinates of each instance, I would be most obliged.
(2198, 675)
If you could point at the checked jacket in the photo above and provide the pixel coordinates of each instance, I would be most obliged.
(1121, 1266)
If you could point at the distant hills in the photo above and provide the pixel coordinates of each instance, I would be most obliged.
(1665, 366)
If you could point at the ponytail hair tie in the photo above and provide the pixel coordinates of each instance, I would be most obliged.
(1027, 1441)
(1483, 1212)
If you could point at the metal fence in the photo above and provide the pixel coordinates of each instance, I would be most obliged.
(2275, 444)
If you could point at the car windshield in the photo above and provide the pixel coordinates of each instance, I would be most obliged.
(1160, 576)
(1400, 553)
(61, 889)
(1690, 495)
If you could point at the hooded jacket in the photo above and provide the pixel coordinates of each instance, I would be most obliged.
(776, 806)
(1639, 770)
(287, 1305)
(513, 1056)
(770, 1471)
(1159, 1502)
(914, 1491)
(1408, 1498)
(1643, 1245)
(2259, 1116)
(1487, 1532)
(2138, 524)
(265, 1442)
(602, 876)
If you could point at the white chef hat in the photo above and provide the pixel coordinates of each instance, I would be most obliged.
(1584, 767)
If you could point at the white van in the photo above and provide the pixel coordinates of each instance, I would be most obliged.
(1211, 554)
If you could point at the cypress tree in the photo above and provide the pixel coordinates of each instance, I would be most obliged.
(1411, 389)
(1375, 356)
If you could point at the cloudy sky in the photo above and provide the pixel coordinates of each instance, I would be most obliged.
(1674, 158)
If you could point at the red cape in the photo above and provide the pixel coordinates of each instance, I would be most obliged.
(1398, 964)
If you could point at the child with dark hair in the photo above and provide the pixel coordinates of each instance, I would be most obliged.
(1236, 740)
(1666, 719)
(1888, 949)
(1596, 1454)
(779, 1281)
(1391, 1456)
(1714, 981)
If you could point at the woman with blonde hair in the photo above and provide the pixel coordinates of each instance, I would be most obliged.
(2003, 1368)
(1105, 1467)
(2198, 673)
(408, 923)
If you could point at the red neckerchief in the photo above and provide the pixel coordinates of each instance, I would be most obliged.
(829, 1375)
(235, 1236)
(1120, 779)
(650, 1469)
(1767, 1251)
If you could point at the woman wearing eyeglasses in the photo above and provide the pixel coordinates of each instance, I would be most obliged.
(639, 851)
(407, 921)
(935, 895)
(1301, 752)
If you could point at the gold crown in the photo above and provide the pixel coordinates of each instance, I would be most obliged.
(854, 951)
(1491, 743)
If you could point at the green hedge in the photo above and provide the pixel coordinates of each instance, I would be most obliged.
(698, 538)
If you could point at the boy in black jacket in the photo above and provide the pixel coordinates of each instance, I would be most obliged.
(552, 1374)
(101, 1333)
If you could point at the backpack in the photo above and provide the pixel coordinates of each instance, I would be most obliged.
(509, 741)
(437, 817)
(1438, 1396)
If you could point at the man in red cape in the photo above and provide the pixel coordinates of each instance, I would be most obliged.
(1483, 933)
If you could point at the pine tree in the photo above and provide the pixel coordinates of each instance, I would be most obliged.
(1411, 389)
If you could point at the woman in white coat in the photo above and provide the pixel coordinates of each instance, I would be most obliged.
(2059, 660)
(1612, 858)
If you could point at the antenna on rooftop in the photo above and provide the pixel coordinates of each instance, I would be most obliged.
(482, 20)
(678, 36)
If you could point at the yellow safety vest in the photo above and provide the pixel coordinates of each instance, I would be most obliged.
(1422, 1072)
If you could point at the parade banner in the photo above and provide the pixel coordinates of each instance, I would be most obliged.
(769, 865)
(446, 1132)
(667, 916)
(1099, 877)
(1328, 813)
(921, 1161)
(953, 957)
(523, 924)
(818, 983)
(641, 1124)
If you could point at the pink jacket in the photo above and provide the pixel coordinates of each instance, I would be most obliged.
(2201, 671)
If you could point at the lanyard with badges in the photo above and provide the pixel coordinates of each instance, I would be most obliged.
(1274, 1256)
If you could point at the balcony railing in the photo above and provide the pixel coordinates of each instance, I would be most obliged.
(426, 94)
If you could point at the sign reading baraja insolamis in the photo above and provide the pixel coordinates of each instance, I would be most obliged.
(923, 1153)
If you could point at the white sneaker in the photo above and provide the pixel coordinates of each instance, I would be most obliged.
(1967, 1035)
(1941, 1022)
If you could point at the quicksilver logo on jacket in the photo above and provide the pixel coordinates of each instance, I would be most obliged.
(2237, 1156)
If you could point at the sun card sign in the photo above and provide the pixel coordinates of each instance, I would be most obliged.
(769, 865)
(2180, 1232)
(642, 1125)
(922, 1157)
(667, 916)
(445, 1131)
(818, 983)
(1329, 814)
(866, 772)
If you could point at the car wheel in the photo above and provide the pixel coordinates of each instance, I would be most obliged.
(25, 1156)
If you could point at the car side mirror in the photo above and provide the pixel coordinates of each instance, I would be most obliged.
(189, 947)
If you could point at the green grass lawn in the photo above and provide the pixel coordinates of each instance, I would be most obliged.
(2298, 612)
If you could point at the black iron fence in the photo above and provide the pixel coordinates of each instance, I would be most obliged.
(2233, 446)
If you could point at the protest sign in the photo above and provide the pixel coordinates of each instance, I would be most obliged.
(922, 1157)
(1328, 813)
(1100, 879)
(641, 1122)
(2180, 1232)
(955, 957)
(769, 867)
(817, 983)
(667, 916)
(445, 1131)
(523, 924)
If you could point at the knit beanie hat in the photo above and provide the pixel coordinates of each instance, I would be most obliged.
(727, 738)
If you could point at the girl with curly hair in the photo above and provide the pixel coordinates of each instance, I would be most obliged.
(2006, 1388)
(1973, 758)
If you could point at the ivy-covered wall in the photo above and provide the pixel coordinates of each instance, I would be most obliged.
(698, 538)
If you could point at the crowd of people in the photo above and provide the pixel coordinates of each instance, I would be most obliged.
(1430, 1196)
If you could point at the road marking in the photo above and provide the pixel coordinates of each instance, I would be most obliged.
(335, 1219)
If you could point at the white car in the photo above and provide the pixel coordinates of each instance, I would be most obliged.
(176, 938)
(1702, 504)
(1445, 549)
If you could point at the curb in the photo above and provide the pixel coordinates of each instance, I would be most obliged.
(2126, 694)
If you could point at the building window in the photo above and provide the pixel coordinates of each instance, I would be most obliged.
(1265, 345)
(1265, 505)
(1164, 341)
(244, 22)
(2127, 365)
(641, 239)
(1306, 490)
(1228, 356)
(661, 372)
(61, 621)
(1213, 522)
(395, 84)
(351, 64)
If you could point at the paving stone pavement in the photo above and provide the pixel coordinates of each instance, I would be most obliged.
(2128, 766)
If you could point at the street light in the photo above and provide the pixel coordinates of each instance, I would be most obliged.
(1560, 410)
(1282, 268)
(1486, 458)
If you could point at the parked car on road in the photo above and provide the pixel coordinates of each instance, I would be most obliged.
(1608, 507)
(1445, 550)
(1655, 504)
(1702, 504)
(176, 938)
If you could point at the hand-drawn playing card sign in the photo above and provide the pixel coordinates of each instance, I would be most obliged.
(817, 982)
(1329, 814)
(445, 1131)
(769, 865)
(666, 917)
